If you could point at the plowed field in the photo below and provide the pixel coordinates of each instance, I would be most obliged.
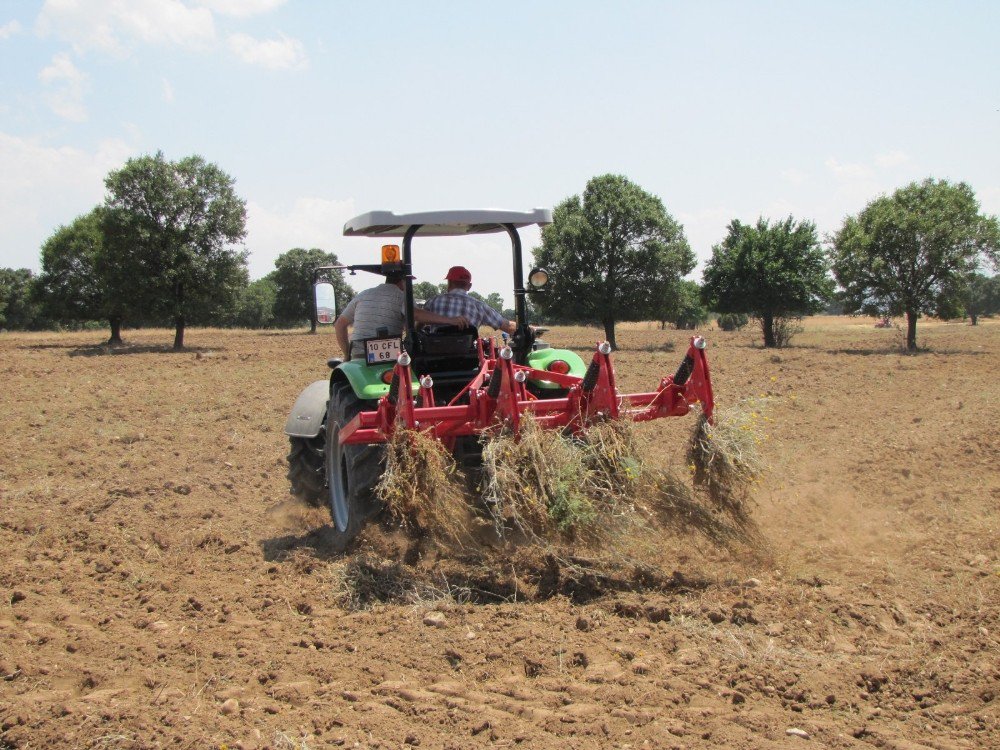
(159, 588)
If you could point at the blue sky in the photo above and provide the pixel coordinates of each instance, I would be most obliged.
(324, 110)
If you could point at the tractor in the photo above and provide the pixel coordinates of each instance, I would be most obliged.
(453, 384)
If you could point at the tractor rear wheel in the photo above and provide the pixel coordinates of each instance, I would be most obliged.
(352, 471)
(306, 469)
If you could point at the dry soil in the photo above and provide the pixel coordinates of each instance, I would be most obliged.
(158, 588)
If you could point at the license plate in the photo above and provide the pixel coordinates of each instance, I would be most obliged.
(380, 351)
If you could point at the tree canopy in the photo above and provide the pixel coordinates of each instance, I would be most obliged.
(426, 289)
(910, 252)
(770, 271)
(170, 225)
(293, 279)
(79, 282)
(981, 296)
(18, 309)
(255, 306)
(612, 255)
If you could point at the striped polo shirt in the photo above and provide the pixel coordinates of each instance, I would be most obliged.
(381, 306)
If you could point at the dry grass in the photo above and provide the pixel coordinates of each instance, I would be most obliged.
(596, 490)
(725, 457)
(423, 489)
(536, 482)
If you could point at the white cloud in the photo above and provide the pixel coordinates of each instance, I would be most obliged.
(241, 8)
(283, 53)
(308, 222)
(114, 26)
(892, 159)
(793, 175)
(43, 186)
(848, 171)
(10, 29)
(66, 85)
(168, 91)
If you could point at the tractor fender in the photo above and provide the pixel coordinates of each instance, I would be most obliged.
(366, 380)
(541, 358)
(306, 417)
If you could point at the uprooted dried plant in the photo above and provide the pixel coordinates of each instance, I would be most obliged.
(422, 488)
(535, 481)
(725, 456)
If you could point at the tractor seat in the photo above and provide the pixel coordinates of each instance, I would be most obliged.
(446, 341)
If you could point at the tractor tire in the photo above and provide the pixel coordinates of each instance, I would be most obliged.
(352, 471)
(307, 469)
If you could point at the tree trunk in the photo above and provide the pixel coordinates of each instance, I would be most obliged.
(115, 322)
(911, 330)
(312, 323)
(767, 324)
(975, 318)
(179, 333)
(609, 332)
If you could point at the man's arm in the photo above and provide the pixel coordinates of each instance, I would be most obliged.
(428, 317)
(340, 327)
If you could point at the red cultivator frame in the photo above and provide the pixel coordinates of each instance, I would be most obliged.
(499, 395)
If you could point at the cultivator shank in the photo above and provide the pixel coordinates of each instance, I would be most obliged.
(498, 395)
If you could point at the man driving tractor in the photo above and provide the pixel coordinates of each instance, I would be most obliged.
(456, 301)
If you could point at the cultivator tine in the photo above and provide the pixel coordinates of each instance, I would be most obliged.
(698, 384)
(598, 397)
(506, 389)
(427, 391)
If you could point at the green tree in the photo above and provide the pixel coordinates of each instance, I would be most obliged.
(770, 271)
(689, 312)
(293, 280)
(425, 290)
(613, 255)
(255, 307)
(910, 252)
(169, 226)
(494, 300)
(18, 309)
(78, 283)
(981, 296)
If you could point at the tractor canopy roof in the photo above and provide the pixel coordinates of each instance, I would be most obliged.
(443, 223)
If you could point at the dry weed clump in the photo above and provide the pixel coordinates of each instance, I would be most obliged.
(422, 488)
(535, 481)
(725, 457)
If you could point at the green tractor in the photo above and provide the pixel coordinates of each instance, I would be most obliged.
(452, 384)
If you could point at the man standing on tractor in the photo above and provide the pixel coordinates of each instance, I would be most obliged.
(456, 301)
(382, 307)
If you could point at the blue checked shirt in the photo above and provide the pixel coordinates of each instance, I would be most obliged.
(457, 302)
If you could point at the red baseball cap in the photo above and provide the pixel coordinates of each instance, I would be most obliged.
(458, 273)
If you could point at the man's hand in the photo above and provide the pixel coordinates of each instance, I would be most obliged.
(459, 321)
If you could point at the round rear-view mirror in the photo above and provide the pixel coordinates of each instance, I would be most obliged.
(538, 278)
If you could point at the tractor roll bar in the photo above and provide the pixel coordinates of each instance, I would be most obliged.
(520, 309)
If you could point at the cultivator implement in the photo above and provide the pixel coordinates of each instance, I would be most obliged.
(499, 396)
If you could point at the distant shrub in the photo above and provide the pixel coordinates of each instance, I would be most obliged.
(784, 329)
(733, 321)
